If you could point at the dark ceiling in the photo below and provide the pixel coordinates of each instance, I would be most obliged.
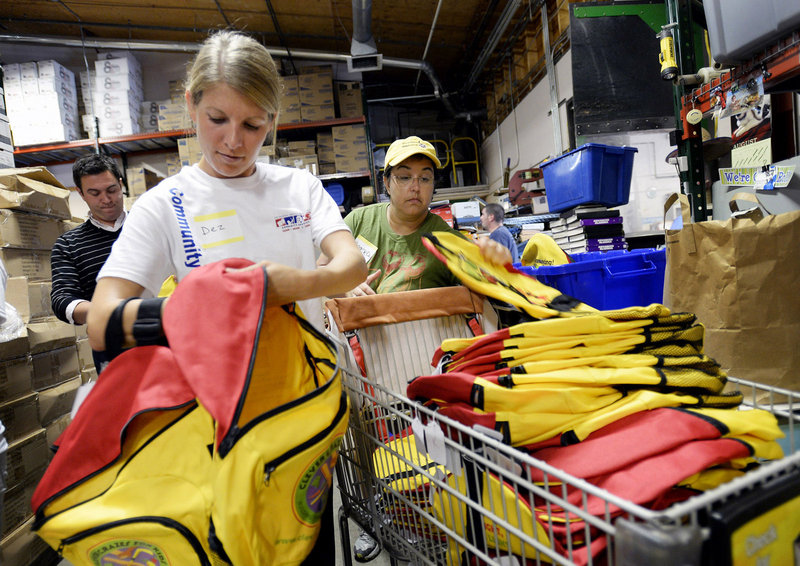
(448, 35)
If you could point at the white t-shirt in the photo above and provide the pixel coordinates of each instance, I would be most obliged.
(279, 214)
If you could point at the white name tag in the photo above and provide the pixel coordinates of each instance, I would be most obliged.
(217, 229)
(368, 249)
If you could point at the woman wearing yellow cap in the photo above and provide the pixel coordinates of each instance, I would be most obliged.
(389, 233)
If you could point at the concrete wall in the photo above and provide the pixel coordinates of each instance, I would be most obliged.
(526, 138)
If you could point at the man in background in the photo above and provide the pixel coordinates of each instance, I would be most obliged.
(492, 220)
(78, 255)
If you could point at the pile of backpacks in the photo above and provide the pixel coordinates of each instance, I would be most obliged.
(624, 399)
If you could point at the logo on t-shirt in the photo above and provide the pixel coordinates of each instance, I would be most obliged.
(293, 221)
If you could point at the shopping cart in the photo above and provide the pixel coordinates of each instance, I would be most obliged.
(467, 498)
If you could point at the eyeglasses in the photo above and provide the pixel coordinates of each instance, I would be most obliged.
(404, 181)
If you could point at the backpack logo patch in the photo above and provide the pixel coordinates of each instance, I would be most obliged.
(315, 484)
(126, 551)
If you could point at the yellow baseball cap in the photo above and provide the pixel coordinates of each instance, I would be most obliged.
(400, 150)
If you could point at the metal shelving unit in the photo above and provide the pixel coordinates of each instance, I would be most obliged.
(47, 154)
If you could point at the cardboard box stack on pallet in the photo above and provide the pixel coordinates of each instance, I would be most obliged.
(42, 366)
(41, 102)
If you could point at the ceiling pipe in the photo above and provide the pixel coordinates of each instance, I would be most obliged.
(188, 47)
(362, 43)
(491, 42)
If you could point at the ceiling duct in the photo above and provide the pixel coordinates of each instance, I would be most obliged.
(364, 54)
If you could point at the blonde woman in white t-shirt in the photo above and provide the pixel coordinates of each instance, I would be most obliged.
(227, 205)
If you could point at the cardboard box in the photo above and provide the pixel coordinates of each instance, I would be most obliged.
(121, 127)
(47, 335)
(16, 377)
(349, 99)
(539, 203)
(26, 458)
(140, 179)
(25, 230)
(307, 162)
(5, 134)
(469, 211)
(54, 366)
(56, 427)
(350, 148)
(20, 415)
(325, 147)
(89, 374)
(317, 112)
(445, 213)
(327, 168)
(23, 547)
(33, 264)
(17, 506)
(80, 332)
(189, 151)
(14, 348)
(85, 358)
(34, 189)
(173, 161)
(290, 115)
(316, 88)
(127, 65)
(30, 298)
(301, 147)
(56, 401)
(173, 116)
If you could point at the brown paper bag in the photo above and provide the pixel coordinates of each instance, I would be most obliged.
(741, 277)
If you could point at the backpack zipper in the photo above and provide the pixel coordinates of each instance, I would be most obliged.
(272, 465)
(187, 534)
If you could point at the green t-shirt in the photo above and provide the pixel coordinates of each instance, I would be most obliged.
(404, 261)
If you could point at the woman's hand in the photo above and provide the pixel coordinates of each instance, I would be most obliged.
(365, 287)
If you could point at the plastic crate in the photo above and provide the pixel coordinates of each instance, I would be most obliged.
(592, 174)
(608, 280)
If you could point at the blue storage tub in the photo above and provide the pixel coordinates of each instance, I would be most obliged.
(592, 174)
(608, 280)
(336, 190)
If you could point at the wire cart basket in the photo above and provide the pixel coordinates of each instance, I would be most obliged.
(462, 497)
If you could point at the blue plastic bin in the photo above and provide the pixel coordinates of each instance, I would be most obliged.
(592, 174)
(608, 280)
(336, 190)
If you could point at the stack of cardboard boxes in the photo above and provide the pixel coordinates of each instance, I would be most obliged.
(6, 146)
(44, 362)
(301, 155)
(86, 102)
(350, 148)
(41, 102)
(290, 101)
(118, 93)
(139, 180)
(172, 113)
(315, 88)
(325, 153)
